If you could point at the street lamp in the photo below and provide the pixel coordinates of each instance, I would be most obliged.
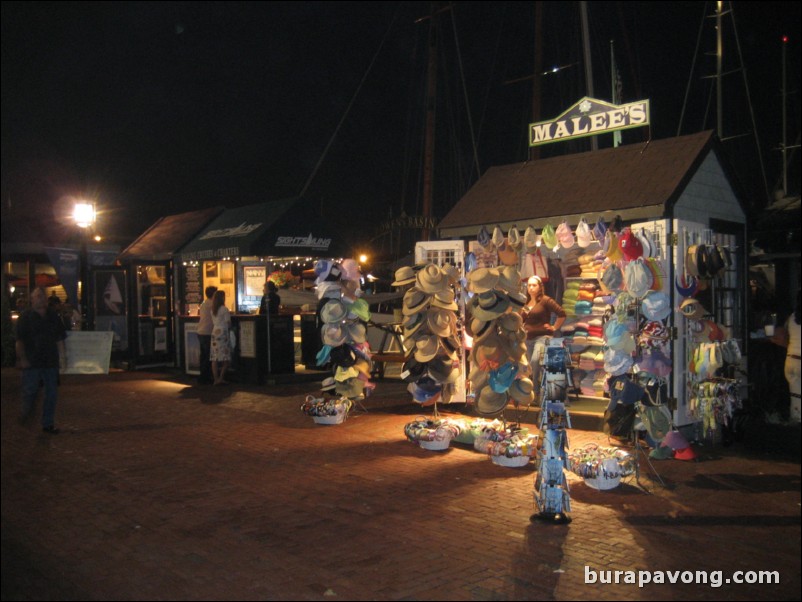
(84, 215)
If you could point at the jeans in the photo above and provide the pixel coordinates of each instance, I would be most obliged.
(536, 348)
(31, 379)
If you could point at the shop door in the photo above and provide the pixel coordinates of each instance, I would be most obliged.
(440, 252)
(153, 302)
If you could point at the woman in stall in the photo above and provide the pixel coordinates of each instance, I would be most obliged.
(537, 315)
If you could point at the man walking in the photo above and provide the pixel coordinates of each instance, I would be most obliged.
(40, 351)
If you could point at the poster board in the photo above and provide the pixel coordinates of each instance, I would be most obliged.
(191, 348)
(88, 352)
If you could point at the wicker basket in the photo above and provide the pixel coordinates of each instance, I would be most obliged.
(514, 462)
(436, 445)
(336, 419)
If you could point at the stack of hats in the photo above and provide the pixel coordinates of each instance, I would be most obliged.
(431, 333)
(499, 367)
(343, 315)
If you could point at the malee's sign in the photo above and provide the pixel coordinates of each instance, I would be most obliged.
(589, 117)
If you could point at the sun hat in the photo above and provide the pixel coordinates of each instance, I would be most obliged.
(333, 311)
(470, 262)
(327, 271)
(413, 322)
(656, 305)
(329, 290)
(431, 279)
(485, 240)
(424, 390)
(415, 300)
(328, 384)
(498, 237)
(675, 440)
(509, 279)
(638, 278)
(548, 236)
(490, 305)
(613, 278)
(482, 280)
(564, 235)
(610, 246)
(629, 244)
(350, 269)
(333, 334)
(412, 370)
(322, 357)
(685, 454)
(489, 353)
(451, 273)
(644, 240)
(441, 322)
(514, 238)
(445, 300)
(686, 285)
(530, 240)
(488, 402)
(501, 378)
(343, 355)
(359, 309)
(451, 345)
(426, 348)
(655, 361)
(351, 388)
(481, 329)
(692, 309)
(344, 373)
(522, 390)
(600, 229)
(443, 370)
(511, 322)
(617, 362)
(404, 275)
(356, 332)
(583, 234)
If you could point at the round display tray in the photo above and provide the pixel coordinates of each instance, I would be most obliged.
(336, 419)
(435, 445)
(603, 483)
(515, 462)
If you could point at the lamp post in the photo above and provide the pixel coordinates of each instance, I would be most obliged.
(84, 215)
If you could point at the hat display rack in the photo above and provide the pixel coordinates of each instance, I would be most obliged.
(712, 356)
(433, 342)
(343, 315)
(499, 369)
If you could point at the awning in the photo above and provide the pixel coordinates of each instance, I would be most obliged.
(286, 228)
(164, 238)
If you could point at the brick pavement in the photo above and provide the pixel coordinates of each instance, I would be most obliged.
(157, 489)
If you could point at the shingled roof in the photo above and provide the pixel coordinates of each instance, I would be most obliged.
(163, 239)
(637, 176)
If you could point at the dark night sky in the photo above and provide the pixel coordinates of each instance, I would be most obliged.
(158, 108)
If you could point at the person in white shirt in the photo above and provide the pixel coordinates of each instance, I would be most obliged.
(205, 326)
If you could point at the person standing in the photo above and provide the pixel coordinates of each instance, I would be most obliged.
(205, 327)
(789, 337)
(270, 299)
(221, 345)
(40, 352)
(536, 316)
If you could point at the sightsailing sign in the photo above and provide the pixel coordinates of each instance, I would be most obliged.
(590, 117)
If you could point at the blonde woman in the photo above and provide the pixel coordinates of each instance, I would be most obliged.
(220, 354)
(536, 316)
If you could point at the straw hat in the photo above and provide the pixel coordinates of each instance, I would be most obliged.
(431, 279)
(415, 300)
(490, 305)
(489, 403)
(404, 275)
(482, 280)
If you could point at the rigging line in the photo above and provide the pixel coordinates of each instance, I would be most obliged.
(749, 102)
(350, 104)
(465, 92)
(490, 75)
(693, 66)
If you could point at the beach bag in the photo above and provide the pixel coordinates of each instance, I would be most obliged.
(540, 267)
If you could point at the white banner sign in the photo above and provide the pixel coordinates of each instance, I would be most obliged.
(88, 352)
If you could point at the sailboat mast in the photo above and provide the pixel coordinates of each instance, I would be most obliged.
(583, 10)
(428, 151)
(719, 63)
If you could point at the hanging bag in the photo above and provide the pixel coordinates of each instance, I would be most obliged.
(540, 266)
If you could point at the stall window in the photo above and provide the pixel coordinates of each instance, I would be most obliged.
(221, 275)
(728, 301)
(152, 291)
